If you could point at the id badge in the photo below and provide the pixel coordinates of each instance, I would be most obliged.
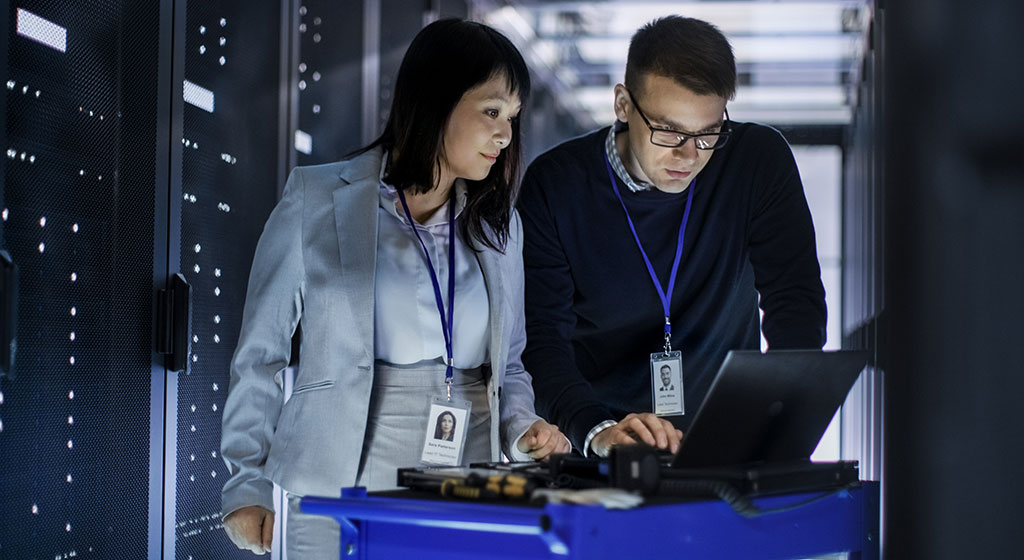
(667, 383)
(447, 427)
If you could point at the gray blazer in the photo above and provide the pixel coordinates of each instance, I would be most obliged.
(315, 261)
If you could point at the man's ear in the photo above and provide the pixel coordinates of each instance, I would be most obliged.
(622, 104)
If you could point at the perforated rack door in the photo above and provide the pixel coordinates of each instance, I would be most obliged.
(328, 79)
(231, 143)
(78, 209)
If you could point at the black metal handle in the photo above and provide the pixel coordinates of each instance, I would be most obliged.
(174, 322)
(9, 319)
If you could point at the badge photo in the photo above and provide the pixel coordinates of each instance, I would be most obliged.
(447, 428)
(667, 383)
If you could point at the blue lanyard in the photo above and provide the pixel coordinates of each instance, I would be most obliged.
(446, 325)
(664, 295)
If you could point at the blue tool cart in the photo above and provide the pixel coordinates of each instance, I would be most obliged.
(377, 527)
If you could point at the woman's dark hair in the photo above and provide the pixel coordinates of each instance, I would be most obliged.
(690, 51)
(445, 60)
(438, 432)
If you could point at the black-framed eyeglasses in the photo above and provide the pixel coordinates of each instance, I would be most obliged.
(674, 139)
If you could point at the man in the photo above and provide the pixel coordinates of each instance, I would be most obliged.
(666, 379)
(652, 240)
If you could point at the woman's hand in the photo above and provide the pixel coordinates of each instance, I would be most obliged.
(543, 439)
(251, 528)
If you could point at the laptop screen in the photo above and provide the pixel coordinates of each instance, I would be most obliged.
(768, 407)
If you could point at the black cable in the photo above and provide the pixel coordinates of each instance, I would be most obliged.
(724, 491)
(797, 505)
(709, 488)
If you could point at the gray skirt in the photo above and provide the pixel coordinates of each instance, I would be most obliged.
(397, 422)
(395, 430)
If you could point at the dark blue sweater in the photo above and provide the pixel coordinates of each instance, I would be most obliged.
(592, 313)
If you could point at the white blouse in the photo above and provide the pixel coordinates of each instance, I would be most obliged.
(406, 319)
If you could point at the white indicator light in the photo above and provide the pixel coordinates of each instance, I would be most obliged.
(303, 142)
(42, 30)
(198, 96)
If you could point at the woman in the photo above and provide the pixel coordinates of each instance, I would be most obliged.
(445, 428)
(400, 316)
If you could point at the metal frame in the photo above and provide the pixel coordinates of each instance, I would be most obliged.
(288, 106)
(175, 24)
(158, 427)
(3, 122)
(288, 119)
(864, 320)
(371, 69)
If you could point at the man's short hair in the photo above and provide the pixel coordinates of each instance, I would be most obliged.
(690, 51)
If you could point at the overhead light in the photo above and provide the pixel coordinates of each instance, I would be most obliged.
(750, 49)
(834, 115)
(776, 104)
(739, 17)
(794, 56)
(790, 96)
(509, 17)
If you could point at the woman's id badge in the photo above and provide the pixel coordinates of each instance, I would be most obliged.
(667, 383)
(447, 427)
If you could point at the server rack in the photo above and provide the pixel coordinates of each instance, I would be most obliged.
(222, 193)
(146, 144)
(82, 144)
(135, 148)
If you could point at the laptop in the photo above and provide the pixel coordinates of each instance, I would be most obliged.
(755, 431)
(768, 408)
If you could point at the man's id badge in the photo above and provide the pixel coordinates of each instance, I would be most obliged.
(447, 427)
(667, 383)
